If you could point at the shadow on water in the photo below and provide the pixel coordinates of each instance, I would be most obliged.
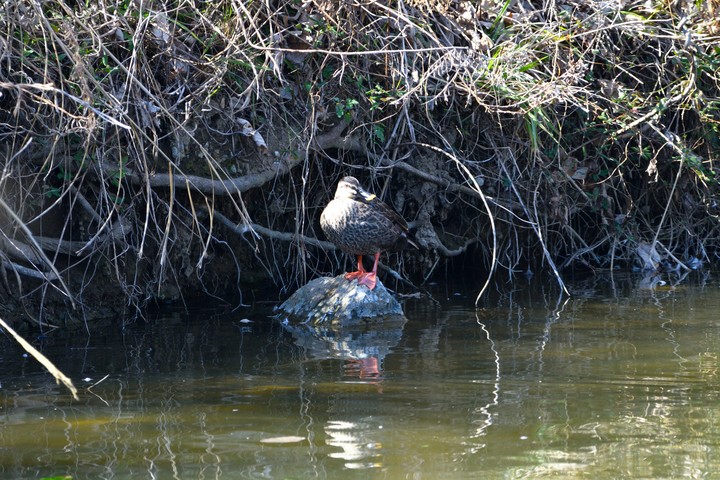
(617, 381)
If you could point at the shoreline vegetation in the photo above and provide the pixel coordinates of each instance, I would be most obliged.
(157, 152)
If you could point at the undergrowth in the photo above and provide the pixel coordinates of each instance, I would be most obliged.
(155, 150)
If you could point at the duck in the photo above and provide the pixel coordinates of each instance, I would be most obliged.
(359, 223)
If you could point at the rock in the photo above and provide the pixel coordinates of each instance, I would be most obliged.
(337, 301)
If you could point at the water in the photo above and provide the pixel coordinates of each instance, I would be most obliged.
(617, 381)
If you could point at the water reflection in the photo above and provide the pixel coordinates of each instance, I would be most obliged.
(618, 381)
(362, 347)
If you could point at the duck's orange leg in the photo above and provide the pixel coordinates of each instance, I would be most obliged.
(360, 271)
(370, 278)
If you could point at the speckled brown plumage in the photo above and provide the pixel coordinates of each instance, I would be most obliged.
(358, 223)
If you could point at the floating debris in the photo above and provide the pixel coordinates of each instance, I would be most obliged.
(283, 440)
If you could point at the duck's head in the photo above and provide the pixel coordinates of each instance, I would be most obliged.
(349, 187)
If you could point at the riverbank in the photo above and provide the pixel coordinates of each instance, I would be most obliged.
(155, 156)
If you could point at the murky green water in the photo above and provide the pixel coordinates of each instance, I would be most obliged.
(615, 382)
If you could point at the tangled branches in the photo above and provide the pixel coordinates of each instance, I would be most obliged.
(190, 147)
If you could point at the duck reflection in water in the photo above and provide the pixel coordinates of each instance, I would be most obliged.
(363, 347)
(368, 367)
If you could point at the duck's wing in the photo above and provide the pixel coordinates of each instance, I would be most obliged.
(382, 208)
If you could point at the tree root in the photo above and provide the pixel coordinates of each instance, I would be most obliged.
(230, 186)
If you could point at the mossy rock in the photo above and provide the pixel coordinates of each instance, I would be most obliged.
(337, 301)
